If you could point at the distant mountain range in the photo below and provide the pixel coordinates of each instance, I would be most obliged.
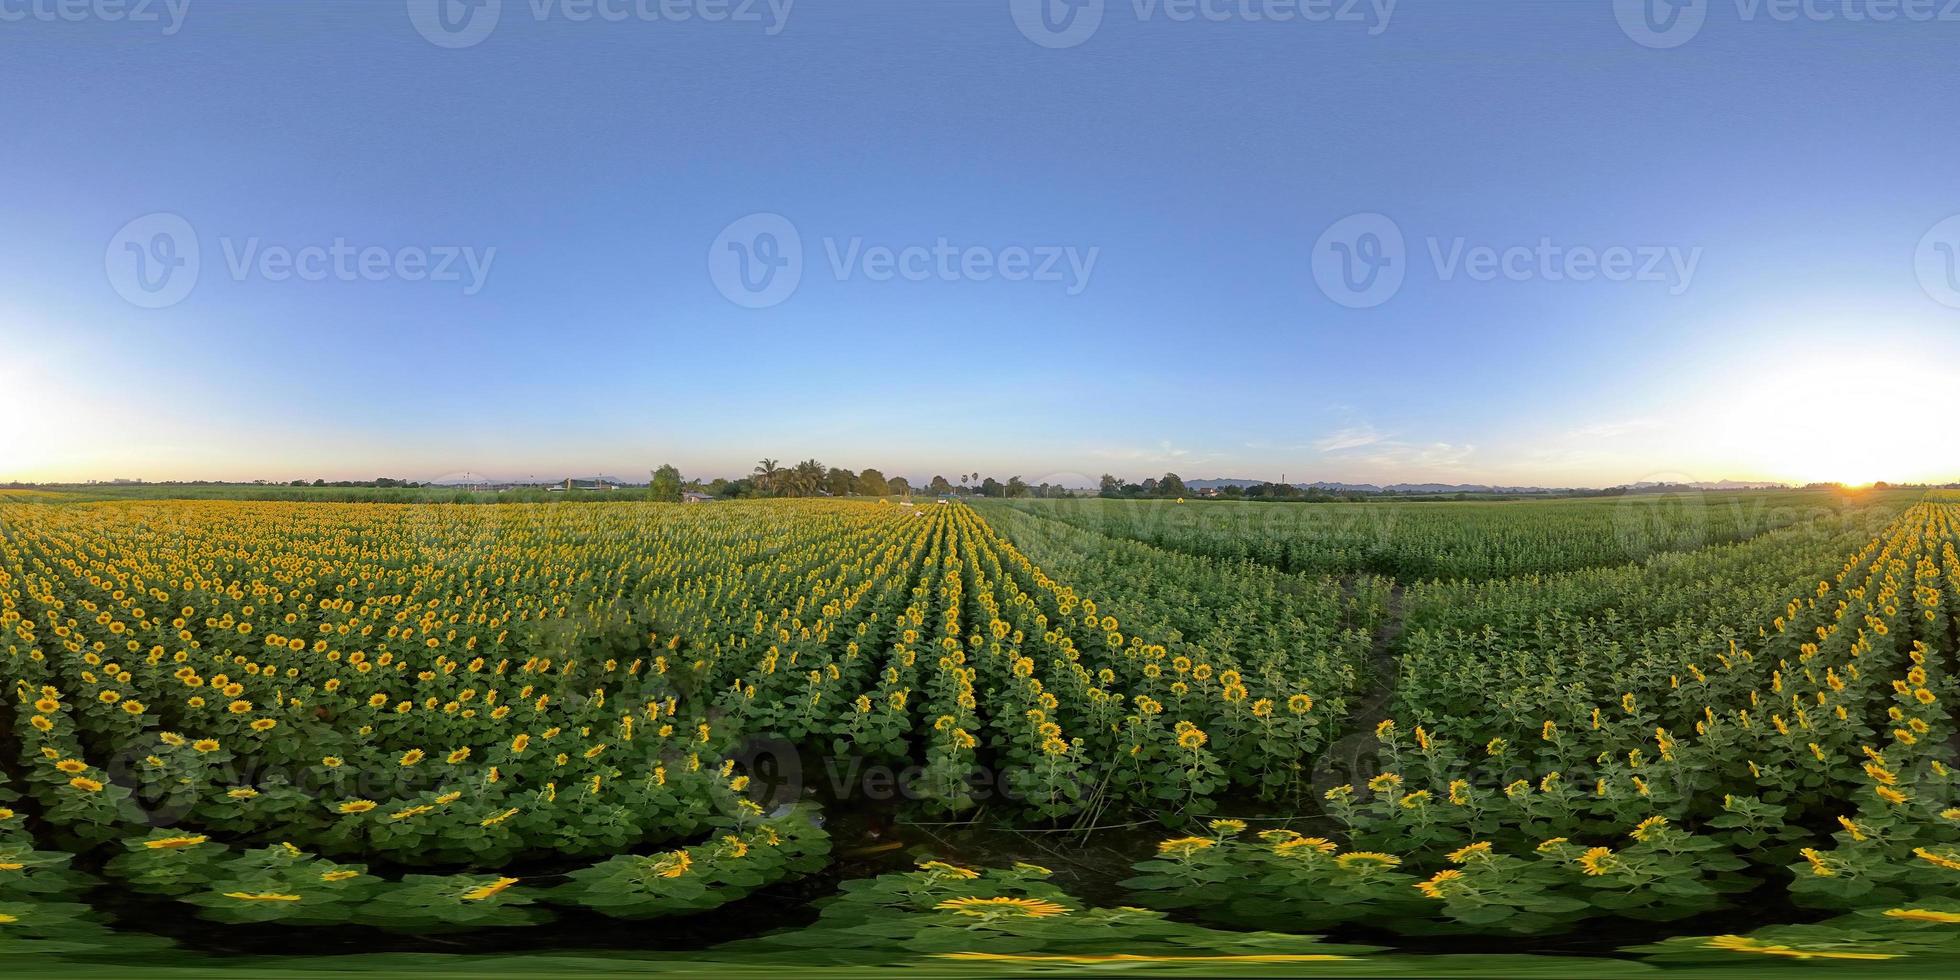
(1714, 485)
(1471, 487)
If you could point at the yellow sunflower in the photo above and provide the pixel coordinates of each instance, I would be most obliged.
(1366, 861)
(1032, 908)
(1924, 915)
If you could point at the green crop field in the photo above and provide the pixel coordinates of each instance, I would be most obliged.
(1680, 734)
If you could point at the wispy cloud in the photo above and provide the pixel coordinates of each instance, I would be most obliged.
(1352, 437)
(1614, 428)
(1362, 447)
(1429, 455)
(1163, 452)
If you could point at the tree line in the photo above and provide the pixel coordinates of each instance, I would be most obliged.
(1172, 486)
(811, 478)
(1169, 486)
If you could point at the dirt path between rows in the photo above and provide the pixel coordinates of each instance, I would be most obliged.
(1351, 758)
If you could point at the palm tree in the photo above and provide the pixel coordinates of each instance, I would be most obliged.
(766, 475)
(807, 478)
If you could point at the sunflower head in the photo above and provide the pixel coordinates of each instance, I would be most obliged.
(1003, 907)
(1184, 847)
(1366, 861)
(1924, 915)
(941, 869)
(1597, 861)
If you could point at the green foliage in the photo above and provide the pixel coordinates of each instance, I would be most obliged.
(479, 690)
(168, 862)
(32, 928)
(1443, 540)
(666, 485)
(285, 884)
(1262, 662)
(1285, 882)
(26, 872)
(726, 868)
(1288, 881)
(1920, 937)
(446, 903)
(1015, 919)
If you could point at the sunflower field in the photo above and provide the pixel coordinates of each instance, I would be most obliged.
(476, 718)
(1443, 539)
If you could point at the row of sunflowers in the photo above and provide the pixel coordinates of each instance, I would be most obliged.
(384, 714)
(288, 712)
(1422, 540)
(1806, 759)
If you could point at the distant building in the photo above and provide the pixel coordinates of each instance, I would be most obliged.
(587, 485)
(690, 497)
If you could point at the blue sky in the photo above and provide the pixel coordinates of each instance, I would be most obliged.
(1776, 186)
